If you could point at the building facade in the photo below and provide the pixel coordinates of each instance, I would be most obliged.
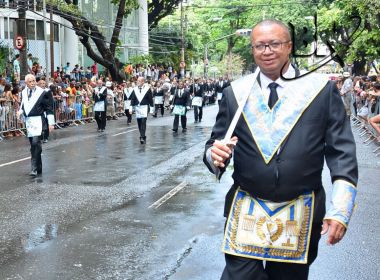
(67, 48)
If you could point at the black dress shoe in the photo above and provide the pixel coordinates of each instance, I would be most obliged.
(175, 130)
(33, 173)
(142, 140)
(184, 129)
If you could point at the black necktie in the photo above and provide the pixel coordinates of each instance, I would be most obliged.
(29, 94)
(273, 97)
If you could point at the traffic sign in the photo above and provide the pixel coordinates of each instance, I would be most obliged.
(19, 42)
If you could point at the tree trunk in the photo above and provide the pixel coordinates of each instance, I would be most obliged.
(359, 68)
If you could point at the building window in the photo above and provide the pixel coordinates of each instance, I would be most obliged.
(12, 28)
(56, 32)
(40, 30)
(31, 29)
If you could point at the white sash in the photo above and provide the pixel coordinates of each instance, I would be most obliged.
(197, 101)
(128, 92)
(29, 104)
(140, 95)
(141, 111)
(33, 126)
(270, 127)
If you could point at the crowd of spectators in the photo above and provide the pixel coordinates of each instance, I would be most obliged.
(361, 96)
(72, 91)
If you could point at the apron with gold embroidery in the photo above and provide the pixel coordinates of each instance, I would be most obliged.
(266, 230)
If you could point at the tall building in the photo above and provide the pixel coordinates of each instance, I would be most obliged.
(67, 48)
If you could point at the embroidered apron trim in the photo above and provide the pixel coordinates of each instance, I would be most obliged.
(270, 127)
(266, 230)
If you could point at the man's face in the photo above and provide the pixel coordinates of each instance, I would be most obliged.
(31, 82)
(140, 82)
(100, 83)
(41, 83)
(269, 60)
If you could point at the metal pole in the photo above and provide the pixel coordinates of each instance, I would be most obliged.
(45, 39)
(21, 30)
(51, 42)
(182, 36)
(205, 61)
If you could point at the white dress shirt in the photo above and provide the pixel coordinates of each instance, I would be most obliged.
(265, 81)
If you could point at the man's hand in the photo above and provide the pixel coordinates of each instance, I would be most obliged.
(51, 128)
(220, 152)
(335, 231)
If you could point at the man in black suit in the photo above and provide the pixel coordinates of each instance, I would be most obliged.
(196, 90)
(181, 103)
(35, 104)
(287, 129)
(219, 87)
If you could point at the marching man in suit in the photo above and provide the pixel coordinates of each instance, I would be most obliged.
(35, 103)
(285, 131)
(141, 100)
(181, 103)
(100, 98)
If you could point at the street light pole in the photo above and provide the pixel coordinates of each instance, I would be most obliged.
(45, 40)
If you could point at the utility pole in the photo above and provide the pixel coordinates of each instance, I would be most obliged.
(51, 42)
(182, 34)
(21, 32)
(45, 40)
(182, 64)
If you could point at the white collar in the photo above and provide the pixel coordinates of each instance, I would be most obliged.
(265, 81)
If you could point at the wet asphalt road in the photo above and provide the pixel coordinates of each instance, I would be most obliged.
(96, 212)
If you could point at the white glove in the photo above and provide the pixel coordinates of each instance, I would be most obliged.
(171, 106)
(188, 107)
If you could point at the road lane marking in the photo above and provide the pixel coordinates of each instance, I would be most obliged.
(169, 195)
(124, 132)
(15, 161)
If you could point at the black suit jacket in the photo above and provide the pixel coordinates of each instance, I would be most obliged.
(322, 133)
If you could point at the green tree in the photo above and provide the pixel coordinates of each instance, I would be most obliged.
(337, 23)
(88, 31)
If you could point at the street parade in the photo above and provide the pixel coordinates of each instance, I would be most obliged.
(189, 139)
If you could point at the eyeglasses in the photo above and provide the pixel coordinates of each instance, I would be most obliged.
(274, 46)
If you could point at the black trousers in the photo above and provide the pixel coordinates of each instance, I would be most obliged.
(35, 151)
(176, 122)
(238, 268)
(45, 129)
(161, 106)
(129, 116)
(141, 123)
(198, 113)
(101, 119)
